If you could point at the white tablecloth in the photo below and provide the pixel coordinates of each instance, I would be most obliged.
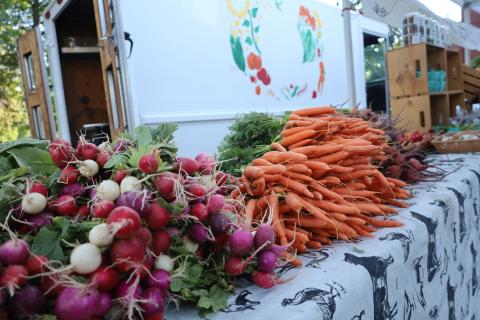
(427, 269)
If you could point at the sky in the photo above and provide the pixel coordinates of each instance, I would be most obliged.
(442, 8)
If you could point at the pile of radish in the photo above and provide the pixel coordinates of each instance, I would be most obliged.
(138, 227)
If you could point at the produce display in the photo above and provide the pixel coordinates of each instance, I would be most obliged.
(119, 230)
(321, 182)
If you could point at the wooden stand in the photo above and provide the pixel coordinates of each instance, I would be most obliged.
(471, 84)
(413, 106)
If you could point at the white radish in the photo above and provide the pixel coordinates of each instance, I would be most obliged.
(130, 183)
(164, 262)
(105, 146)
(86, 258)
(108, 190)
(189, 244)
(101, 235)
(88, 168)
(34, 202)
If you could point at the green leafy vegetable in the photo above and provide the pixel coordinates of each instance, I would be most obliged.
(37, 160)
(4, 147)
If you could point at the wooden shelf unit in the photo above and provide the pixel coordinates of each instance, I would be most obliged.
(413, 106)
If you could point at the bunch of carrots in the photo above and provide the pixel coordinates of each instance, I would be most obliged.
(319, 183)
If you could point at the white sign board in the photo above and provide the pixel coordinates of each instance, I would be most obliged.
(210, 60)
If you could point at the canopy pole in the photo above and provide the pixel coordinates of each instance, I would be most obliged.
(347, 27)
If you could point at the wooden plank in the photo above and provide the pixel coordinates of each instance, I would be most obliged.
(412, 113)
(471, 89)
(454, 71)
(470, 71)
(471, 80)
(36, 99)
(402, 65)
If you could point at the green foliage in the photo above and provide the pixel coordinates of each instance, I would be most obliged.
(16, 16)
(475, 63)
(250, 136)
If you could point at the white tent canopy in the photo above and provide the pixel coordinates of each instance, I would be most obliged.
(392, 13)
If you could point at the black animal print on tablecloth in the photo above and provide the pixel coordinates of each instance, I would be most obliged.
(359, 316)
(451, 300)
(461, 271)
(474, 269)
(433, 313)
(477, 174)
(475, 213)
(446, 261)
(461, 213)
(404, 239)
(408, 307)
(325, 300)
(454, 232)
(469, 184)
(317, 259)
(241, 303)
(377, 268)
(433, 263)
(419, 290)
(444, 206)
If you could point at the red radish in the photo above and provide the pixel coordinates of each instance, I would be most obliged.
(157, 216)
(415, 164)
(102, 208)
(186, 165)
(200, 211)
(156, 316)
(221, 178)
(160, 279)
(104, 304)
(206, 162)
(65, 205)
(263, 234)
(77, 303)
(240, 242)
(83, 211)
(164, 183)
(13, 276)
(220, 241)
(14, 251)
(195, 190)
(108, 190)
(60, 152)
(88, 151)
(198, 233)
(39, 188)
(68, 175)
(263, 279)
(33, 203)
(101, 235)
(105, 278)
(27, 303)
(394, 171)
(145, 236)
(148, 164)
(215, 203)
(126, 253)
(126, 219)
(51, 284)
(411, 174)
(161, 241)
(85, 258)
(267, 260)
(119, 175)
(235, 266)
(102, 158)
(36, 264)
(152, 301)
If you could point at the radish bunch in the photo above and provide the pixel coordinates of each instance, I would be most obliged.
(142, 224)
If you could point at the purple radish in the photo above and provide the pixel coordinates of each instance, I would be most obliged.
(160, 279)
(27, 303)
(77, 303)
(240, 242)
(263, 234)
(14, 251)
(215, 203)
(123, 289)
(267, 260)
(73, 189)
(198, 233)
(138, 200)
(152, 301)
(104, 304)
(219, 222)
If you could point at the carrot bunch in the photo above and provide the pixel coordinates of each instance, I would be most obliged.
(319, 183)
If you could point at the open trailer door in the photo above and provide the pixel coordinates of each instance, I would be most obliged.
(35, 82)
(109, 61)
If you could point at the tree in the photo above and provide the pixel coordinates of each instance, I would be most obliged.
(16, 16)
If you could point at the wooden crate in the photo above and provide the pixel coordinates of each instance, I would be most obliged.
(471, 83)
(412, 113)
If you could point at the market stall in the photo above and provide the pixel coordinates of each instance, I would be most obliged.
(427, 269)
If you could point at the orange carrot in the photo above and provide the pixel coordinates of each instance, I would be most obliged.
(302, 143)
(312, 244)
(251, 204)
(298, 176)
(258, 187)
(316, 165)
(299, 168)
(335, 157)
(261, 162)
(318, 150)
(298, 236)
(334, 207)
(277, 146)
(273, 169)
(314, 111)
(269, 178)
(295, 186)
(383, 223)
(396, 182)
(251, 172)
(294, 202)
(279, 157)
(277, 225)
(340, 169)
(297, 137)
